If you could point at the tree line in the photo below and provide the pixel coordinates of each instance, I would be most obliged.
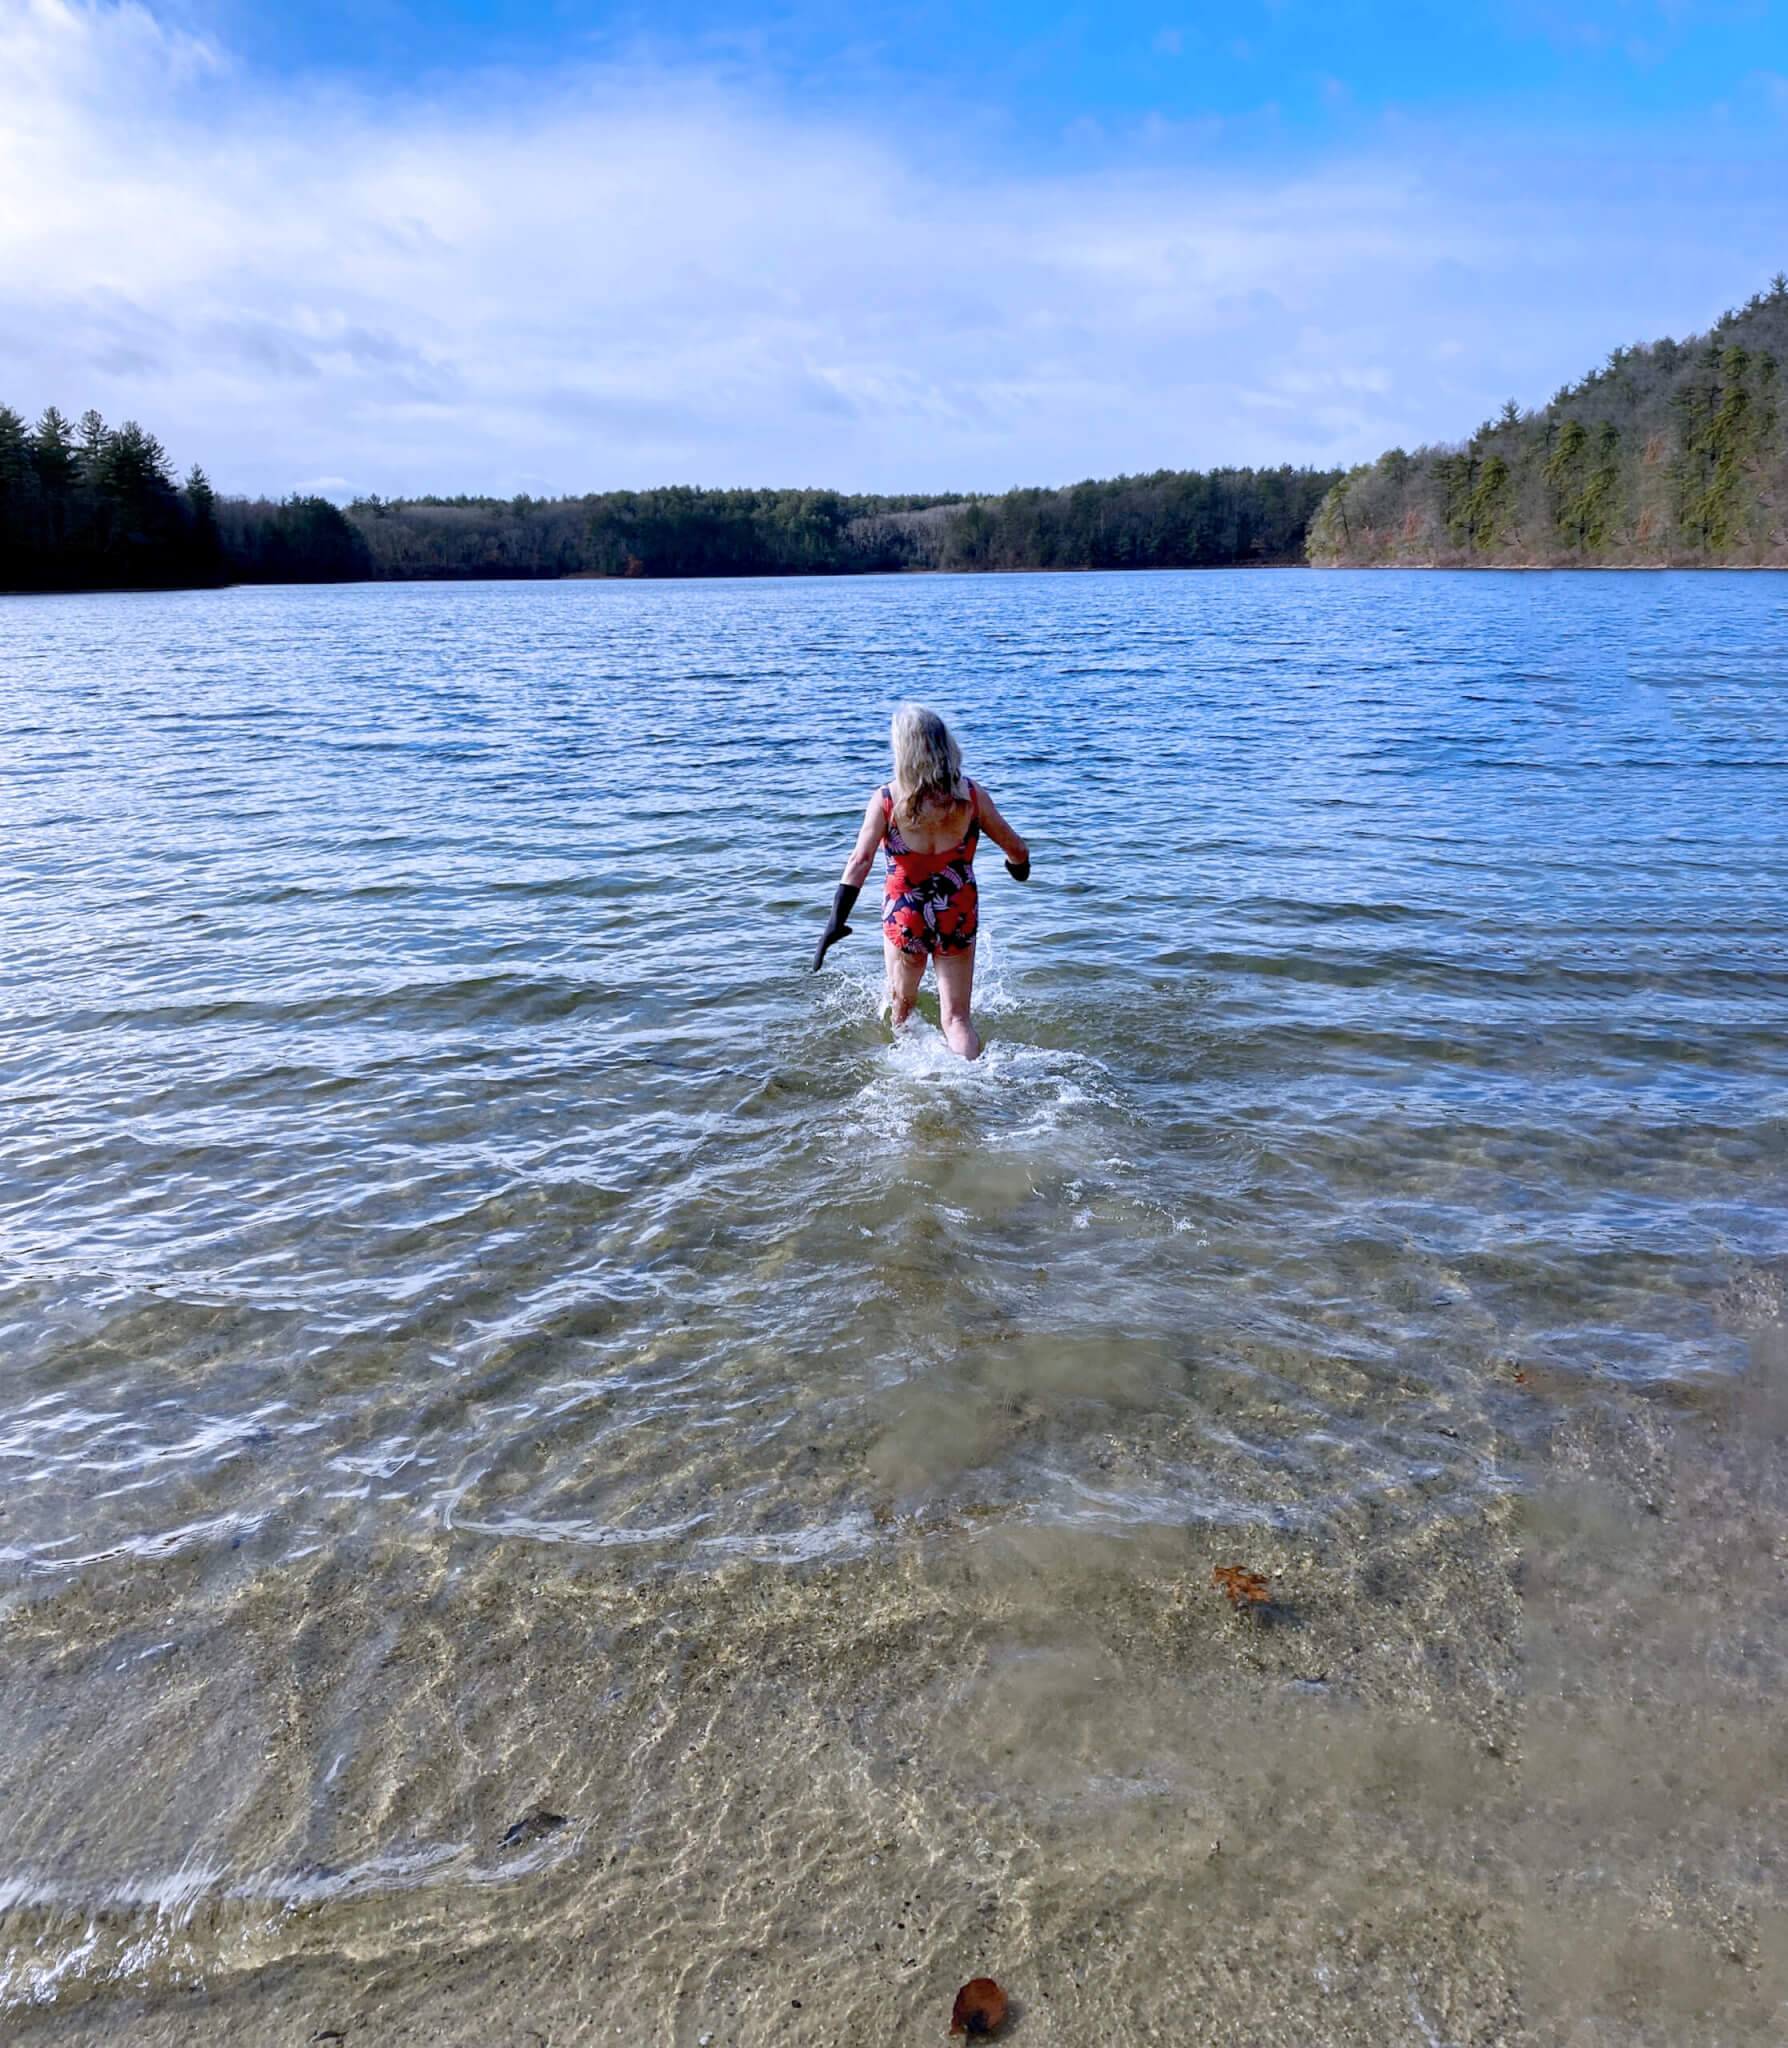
(1674, 452)
(675, 531)
(92, 507)
(97, 507)
(1174, 519)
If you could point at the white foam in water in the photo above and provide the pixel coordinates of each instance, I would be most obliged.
(847, 983)
(920, 1051)
(992, 997)
(1029, 1091)
(848, 996)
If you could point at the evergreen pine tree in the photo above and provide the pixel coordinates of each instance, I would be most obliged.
(55, 454)
(19, 504)
(205, 543)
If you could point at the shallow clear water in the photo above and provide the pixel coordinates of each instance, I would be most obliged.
(422, 1136)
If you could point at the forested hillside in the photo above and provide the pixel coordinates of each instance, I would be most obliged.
(1675, 452)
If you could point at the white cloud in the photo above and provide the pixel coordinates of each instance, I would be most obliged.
(617, 276)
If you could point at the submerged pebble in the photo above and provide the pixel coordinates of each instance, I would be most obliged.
(980, 2008)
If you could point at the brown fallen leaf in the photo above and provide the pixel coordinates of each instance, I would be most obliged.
(980, 2008)
(1245, 1588)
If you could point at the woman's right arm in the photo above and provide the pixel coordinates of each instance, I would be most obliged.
(856, 869)
(856, 873)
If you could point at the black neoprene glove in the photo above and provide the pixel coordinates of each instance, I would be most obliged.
(1019, 870)
(836, 928)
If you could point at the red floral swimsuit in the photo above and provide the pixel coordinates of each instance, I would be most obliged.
(929, 904)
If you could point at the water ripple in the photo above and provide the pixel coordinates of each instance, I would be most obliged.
(415, 1104)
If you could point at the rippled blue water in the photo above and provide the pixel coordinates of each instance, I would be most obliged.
(416, 1110)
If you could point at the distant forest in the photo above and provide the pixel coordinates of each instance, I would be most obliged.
(95, 507)
(1175, 519)
(1673, 453)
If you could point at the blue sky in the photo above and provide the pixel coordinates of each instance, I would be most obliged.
(398, 246)
(1025, 76)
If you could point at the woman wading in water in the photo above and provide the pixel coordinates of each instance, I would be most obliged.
(929, 818)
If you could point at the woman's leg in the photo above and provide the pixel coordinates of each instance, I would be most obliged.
(955, 987)
(905, 972)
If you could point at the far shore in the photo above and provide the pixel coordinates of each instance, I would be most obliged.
(853, 576)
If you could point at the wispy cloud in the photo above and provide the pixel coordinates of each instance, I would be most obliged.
(619, 275)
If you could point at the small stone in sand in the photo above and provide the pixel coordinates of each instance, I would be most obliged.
(980, 2008)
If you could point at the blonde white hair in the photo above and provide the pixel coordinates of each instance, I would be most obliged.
(927, 761)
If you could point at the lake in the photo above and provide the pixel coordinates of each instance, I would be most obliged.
(555, 1476)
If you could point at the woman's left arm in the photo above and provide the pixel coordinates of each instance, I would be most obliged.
(874, 828)
(1018, 855)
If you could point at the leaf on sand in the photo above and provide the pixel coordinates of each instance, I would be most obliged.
(1245, 1588)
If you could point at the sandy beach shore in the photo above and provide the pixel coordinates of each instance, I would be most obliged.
(1516, 1772)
